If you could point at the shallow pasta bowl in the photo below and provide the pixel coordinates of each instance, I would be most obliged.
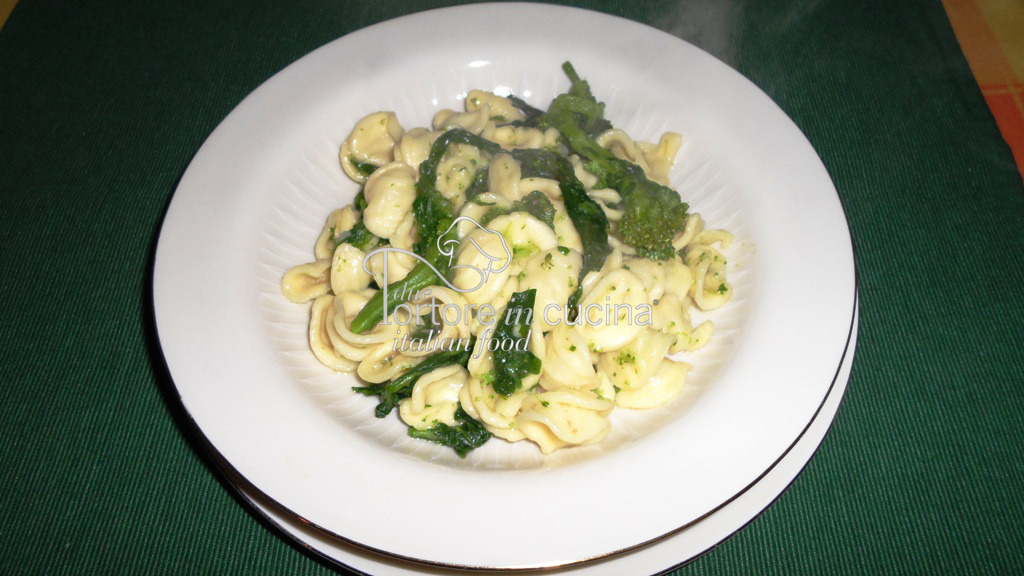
(254, 198)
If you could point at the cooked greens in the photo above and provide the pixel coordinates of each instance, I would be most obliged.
(516, 363)
(463, 438)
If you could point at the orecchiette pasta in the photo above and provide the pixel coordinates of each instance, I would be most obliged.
(564, 418)
(306, 282)
(513, 301)
(472, 120)
(569, 361)
(434, 398)
(501, 108)
(661, 156)
(338, 222)
(389, 194)
(663, 386)
(614, 310)
(456, 172)
(372, 142)
(632, 366)
(321, 324)
(414, 147)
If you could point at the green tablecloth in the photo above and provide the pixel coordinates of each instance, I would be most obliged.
(103, 104)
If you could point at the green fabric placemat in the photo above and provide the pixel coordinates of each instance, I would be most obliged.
(103, 104)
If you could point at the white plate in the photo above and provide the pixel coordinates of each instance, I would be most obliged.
(255, 196)
(657, 558)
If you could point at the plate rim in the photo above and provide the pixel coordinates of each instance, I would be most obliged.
(249, 492)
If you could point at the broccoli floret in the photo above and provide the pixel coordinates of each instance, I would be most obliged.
(653, 214)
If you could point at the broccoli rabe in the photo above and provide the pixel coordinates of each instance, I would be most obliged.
(364, 168)
(535, 203)
(358, 236)
(463, 438)
(652, 214)
(517, 362)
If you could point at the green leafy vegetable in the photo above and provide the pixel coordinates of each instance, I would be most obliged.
(531, 113)
(480, 183)
(535, 203)
(359, 237)
(578, 106)
(427, 326)
(514, 364)
(466, 436)
(652, 214)
(364, 168)
(360, 200)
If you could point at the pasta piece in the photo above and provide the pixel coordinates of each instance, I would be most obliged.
(358, 346)
(414, 147)
(568, 362)
(492, 311)
(709, 237)
(306, 282)
(338, 222)
(524, 234)
(564, 418)
(347, 274)
(389, 194)
(588, 179)
(501, 108)
(503, 176)
(565, 232)
(473, 121)
(694, 224)
(622, 146)
(383, 363)
(483, 266)
(520, 137)
(546, 186)
(553, 274)
(475, 210)
(613, 311)
(672, 316)
(606, 198)
(320, 322)
(372, 141)
(661, 276)
(434, 398)
(665, 385)
(496, 412)
(633, 365)
(445, 310)
(710, 289)
(661, 156)
(456, 171)
(398, 264)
